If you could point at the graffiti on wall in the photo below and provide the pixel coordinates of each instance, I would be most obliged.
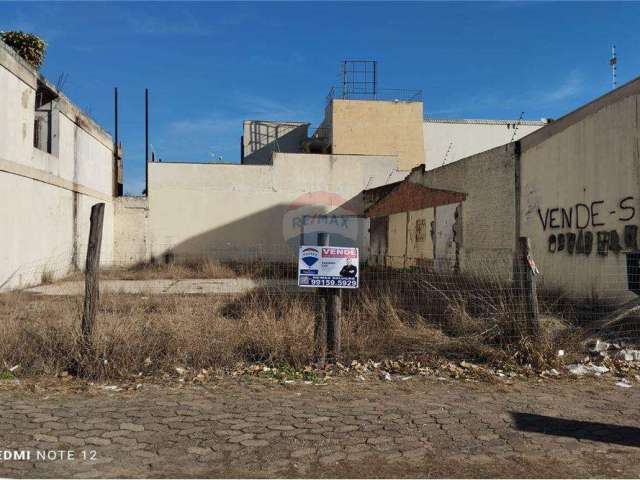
(587, 228)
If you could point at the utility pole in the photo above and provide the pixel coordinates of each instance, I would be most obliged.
(613, 61)
(146, 141)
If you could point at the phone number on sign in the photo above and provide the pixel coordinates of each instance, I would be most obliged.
(333, 282)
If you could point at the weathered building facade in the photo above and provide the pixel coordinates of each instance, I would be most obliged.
(571, 187)
(55, 163)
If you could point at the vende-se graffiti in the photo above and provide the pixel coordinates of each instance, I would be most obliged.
(582, 216)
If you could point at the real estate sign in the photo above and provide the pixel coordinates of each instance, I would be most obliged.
(328, 267)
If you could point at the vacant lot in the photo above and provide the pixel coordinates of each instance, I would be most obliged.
(154, 318)
(157, 334)
(249, 427)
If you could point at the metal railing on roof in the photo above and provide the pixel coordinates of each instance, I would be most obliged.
(380, 94)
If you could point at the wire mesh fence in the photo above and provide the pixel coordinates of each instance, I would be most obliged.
(224, 305)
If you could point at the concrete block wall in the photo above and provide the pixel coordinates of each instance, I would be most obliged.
(48, 196)
(130, 231)
(489, 211)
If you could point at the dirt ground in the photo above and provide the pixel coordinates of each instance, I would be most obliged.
(248, 427)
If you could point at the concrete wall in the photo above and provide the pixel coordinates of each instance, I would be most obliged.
(397, 235)
(582, 178)
(403, 239)
(488, 215)
(447, 141)
(243, 211)
(130, 230)
(444, 238)
(262, 137)
(367, 127)
(419, 239)
(48, 196)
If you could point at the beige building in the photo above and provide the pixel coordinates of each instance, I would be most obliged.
(376, 127)
(289, 187)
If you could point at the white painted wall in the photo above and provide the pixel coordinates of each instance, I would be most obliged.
(240, 212)
(447, 141)
(46, 199)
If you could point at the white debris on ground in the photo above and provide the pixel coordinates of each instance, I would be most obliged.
(624, 383)
(617, 362)
(628, 355)
(580, 369)
(616, 350)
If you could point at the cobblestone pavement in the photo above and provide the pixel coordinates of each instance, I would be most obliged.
(248, 427)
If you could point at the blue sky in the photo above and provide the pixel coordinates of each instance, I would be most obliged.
(208, 66)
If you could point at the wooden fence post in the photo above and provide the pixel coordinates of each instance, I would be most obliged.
(334, 323)
(321, 328)
(91, 283)
(528, 272)
(328, 318)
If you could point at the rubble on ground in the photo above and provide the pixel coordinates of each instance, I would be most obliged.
(617, 362)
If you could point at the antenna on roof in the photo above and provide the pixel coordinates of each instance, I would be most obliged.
(444, 160)
(359, 79)
(515, 127)
(613, 61)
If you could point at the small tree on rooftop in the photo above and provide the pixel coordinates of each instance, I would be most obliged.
(29, 46)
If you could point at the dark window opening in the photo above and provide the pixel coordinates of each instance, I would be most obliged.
(633, 272)
(43, 119)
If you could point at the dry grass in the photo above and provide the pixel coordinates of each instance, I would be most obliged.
(195, 268)
(419, 314)
(157, 333)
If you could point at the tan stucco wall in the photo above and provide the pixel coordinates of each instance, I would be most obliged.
(420, 246)
(244, 211)
(48, 197)
(366, 127)
(447, 141)
(594, 160)
(397, 238)
(405, 249)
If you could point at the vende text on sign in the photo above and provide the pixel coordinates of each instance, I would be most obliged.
(328, 267)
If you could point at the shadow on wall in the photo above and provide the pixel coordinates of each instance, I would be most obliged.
(272, 234)
(265, 138)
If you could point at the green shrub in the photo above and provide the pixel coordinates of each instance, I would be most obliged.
(30, 47)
